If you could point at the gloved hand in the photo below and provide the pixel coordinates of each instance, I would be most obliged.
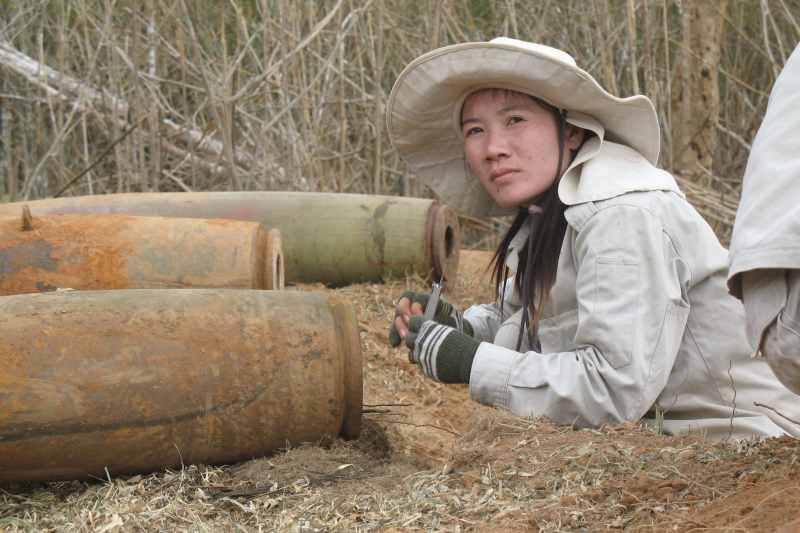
(443, 353)
(414, 303)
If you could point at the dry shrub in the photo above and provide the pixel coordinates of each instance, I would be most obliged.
(267, 94)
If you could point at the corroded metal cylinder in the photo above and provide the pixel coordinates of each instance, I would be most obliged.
(44, 253)
(330, 238)
(136, 380)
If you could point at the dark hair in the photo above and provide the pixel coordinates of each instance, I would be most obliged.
(538, 258)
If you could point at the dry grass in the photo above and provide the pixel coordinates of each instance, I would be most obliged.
(505, 474)
(429, 459)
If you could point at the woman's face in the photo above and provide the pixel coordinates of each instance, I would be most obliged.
(511, 144)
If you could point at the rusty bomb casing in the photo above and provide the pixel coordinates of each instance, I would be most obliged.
(44, 253)
(94, 383)
(330, 238)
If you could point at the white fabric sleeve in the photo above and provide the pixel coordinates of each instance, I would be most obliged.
(781, 342)
(763, 296)
(632, 312)
(486, 319)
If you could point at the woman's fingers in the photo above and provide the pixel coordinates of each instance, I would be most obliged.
(403, 312)
(401, 326)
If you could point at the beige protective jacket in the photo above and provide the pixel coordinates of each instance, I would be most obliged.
(638, 321)
(765, 247)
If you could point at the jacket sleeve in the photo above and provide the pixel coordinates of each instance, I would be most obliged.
(486, 319)
(632, 310)
(781, 342)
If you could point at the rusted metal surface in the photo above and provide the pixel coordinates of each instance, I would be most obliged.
(444, 238)
(273, 261)
(122, 251)
(142, 379)
(330, 238)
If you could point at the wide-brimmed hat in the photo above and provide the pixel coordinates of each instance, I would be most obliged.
(424, 108)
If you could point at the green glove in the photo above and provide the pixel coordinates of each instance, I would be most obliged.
(443, 353)
(445, 314)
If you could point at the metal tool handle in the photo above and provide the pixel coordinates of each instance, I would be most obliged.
(430, 307)
(433, 300)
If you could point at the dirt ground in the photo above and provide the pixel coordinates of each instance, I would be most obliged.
(430, 459)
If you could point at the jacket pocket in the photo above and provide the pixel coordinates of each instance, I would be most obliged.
(612, 324)
(667, 363)
(557, 333)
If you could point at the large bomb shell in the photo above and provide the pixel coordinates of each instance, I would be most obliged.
(330, 238)
(42, 253)
(137, 380)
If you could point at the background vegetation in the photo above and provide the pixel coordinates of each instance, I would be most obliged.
(278, 94)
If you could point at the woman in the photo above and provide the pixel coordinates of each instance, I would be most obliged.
(611, 301)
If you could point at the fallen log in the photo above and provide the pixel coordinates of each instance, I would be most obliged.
(102, 383)
(87, 98)
(44, 253)
(330, 238)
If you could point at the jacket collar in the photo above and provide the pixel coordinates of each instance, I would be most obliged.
(604, 169)
(601, 170)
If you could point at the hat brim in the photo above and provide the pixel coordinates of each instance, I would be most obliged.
(422, 114)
